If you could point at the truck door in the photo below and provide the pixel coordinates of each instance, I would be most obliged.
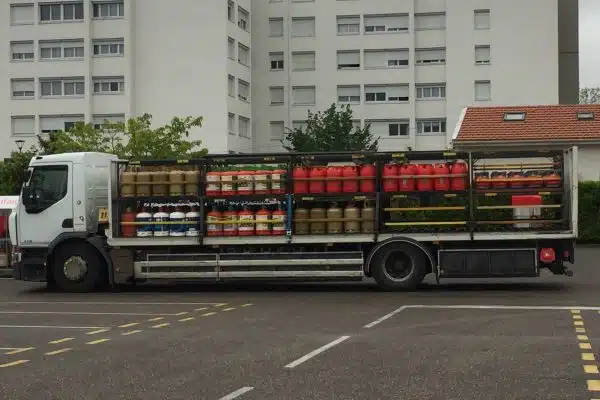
(50, 213)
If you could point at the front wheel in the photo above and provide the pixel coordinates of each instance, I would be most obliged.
(399, 266)
(77, 268)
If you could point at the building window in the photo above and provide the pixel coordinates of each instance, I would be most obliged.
(431, 92)
(22, 88)
(276, 61)
(243, 19)
(231, 48)
(61, 49)
(108, 9)
(431, 127)
(386, 23)
(303, 27)
(276, 95)
(303, 61)
(276, 129)
(231, 85)
(22, 14)
(109, 48)
(389, 128)
(52, 124)
(243, 90)
(482, 55)
(102, 121)
(230, 11)
(231, 123)
(348, 94)
(430, 21)
(275, 27)
(21, 51)
(430, 56)
(386, 93)
(243, 54)
(109, 85)
(62, 87)
(483, 90)
(481, 19)
(244, 127)
(348, 25)
(22, 125)
(392, 58)
(398, 129)
(54, 12)
(304, 95)
(348, 59)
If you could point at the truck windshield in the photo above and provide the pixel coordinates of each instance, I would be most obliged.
(52, 180)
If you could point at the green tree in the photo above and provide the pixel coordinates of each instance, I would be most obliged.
(12, 170)
(82, 137)
(589, 95)
(330, 130)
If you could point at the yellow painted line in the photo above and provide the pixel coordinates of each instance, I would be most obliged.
(131, 332)
(593, 386)
(585, 346)
(576, 311)
(577, 316)
(578, 323)
(220, 305)
(52, 353)
(208, 314)
(247, 305)
(582, 337)
(96, 332)
(12, 364)
(591, 369)
(580, 330)
(186, 319)
(228, 309)
(200, 309)
(57, 341)
(588, 357)
(17, 351)
(182, 313)
(161, 325)
(129, 325)
(155, 319)
(98, 341)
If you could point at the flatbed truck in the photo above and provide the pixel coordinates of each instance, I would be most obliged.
(83, 221)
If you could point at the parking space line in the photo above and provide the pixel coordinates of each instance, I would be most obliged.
(13, 363)
(247, 305)
(237, 393)
(186, 319)
(55, 352)
(155, 319)
(316, 352)
(129, 325)
(181, 313)
(21, 350)
(97, 331)
(228, 309)
(102, 303)
(201, 309)
(81, 313)
(131, 332)
(220, 304)
(386, 316)
(51, 327)
(98, 341)
(208, 314)
(161, 325)
(67, 339)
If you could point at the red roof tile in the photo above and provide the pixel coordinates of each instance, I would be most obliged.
(543, 123)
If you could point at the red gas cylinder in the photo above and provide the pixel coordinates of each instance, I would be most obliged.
(278, 181)
(350, 185)
(459, 182)
(425, 184)
(317, 182)
(407, 177)
(263, 227)
(367, 185)
(300, 185)
(128, 230)
(553, 180)
(334, 185)
(499, 180)
(230, 228)
(515, 180)
(246, 222)
(442, 180)
(213, 183)
(390, 171)
(534, 179)
(213, 228)
(228, 183)
(482, 180)
(279, 226)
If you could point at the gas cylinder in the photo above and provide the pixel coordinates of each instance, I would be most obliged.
(408, 181)
(230, 227)
(261, 182)
(128, 230)
(299, 174)
(144, 229)
(142, 188)
(192, 218)
(161, 229)
(128, 179)
(229, 183)
(279, 220)
(301, 227)
(176, 182)
(352, 213)
(317, 183)
(515, 180)
(277, 181)
(442, 180)
(425, 184)
(213, 183)
(334, 212)
(350, 185)
(553, 179)
(534, 179)
(390, 171)
(369, 172)
(246, 222)
(334, 185)
(245, 183)
(160, 182)
(191, 179)
(458, 183)
(482, 180)
(367, 214)
(213, 228)
(499, 180)
(177, 220)
(263, 228)
(318, 227)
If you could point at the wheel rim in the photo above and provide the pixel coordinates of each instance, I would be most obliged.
(75, 268)
(398, 266)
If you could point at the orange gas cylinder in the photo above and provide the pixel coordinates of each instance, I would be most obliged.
(459, 182)
(499, 180)
(442, 180)
(334, 185)
(534, 179)
(245, 183)
(128, 230)
(390, 171)
(246, 222)
(369, 172)
(425, 184)
(263, 227)
(482, 180)
(407, 178)
(213, 183)
(229, 183)
(300, 185)
(213, 227)
(279, 226)
(553, 180)
(278, 181)
(230, 228)
(317, 183)
(515, 180)
(350, 185)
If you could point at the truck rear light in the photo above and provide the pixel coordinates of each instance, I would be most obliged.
(547, 255)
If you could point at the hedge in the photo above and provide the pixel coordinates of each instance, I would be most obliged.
(589, 212)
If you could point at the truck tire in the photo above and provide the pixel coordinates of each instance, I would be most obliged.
(399, 266)
(77, 268)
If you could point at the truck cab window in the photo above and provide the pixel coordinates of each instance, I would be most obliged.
(51, 182)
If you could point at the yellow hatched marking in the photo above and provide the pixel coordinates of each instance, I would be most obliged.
(181, 313)
(161, 325)
(98, 341)
(131, 332)
(247, 305)
(588, 357)
(13, 363)
(578, 323)
(200, 309)
(576, 316)
(208, 314)
(186, 319)
(576, 311)
(96, 332)
(593, 385)
(591, 369)
(55, 352)
(220, 305)
(62, 340)
(582, 337)
(580, 330)
(155, 319)
(129, 325)
(17, 351)
(228, 309)
(585, 346)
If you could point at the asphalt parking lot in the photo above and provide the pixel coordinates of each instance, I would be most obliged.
(517, 339)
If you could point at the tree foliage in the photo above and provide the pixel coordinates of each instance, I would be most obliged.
(589, 95)
(12, 170)
(330, 130)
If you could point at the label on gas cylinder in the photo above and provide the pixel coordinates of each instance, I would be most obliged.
(228, 184)
(245, 183)
(261, 183)
(212, 227)
(262, 227)
(280, 225)
(244, 225)
(276, 184)
(212, 183)
(230, 227)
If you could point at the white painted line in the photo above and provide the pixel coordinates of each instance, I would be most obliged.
(67, 339)
(98, 341)
(386, 316)
(237, 393)
(181, 313)
(129, 325)
(52, 327)
(316, 352)
(21, 350)
(12, 364)
(117, 303)
(9, 348)
(155, 319)
(161, 325)
(500, 307)
(228, 309)
(79, 313)
(131, 332)
(52, 353)
(97, 331)
(200, 309)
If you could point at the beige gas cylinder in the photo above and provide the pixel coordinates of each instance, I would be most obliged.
(352, 213)
(128, 180)
(176, 182)
(334, 212)
(301, 228)
(318, 213)
(160, 180)
(143, 183)
(367, 214)
(191, 179)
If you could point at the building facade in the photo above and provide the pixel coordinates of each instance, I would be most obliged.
(255, 67)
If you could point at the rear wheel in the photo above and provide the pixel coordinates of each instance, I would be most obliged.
(78, 268)
(399, 266)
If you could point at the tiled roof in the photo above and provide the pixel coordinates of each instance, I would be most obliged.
(543, 123)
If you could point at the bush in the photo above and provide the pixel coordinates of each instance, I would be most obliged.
(589, 212)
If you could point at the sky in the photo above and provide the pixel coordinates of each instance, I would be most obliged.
(589, 43)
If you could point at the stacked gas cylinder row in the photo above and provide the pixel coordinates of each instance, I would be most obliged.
(440, 177)
(145, 181)
(519, 179)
